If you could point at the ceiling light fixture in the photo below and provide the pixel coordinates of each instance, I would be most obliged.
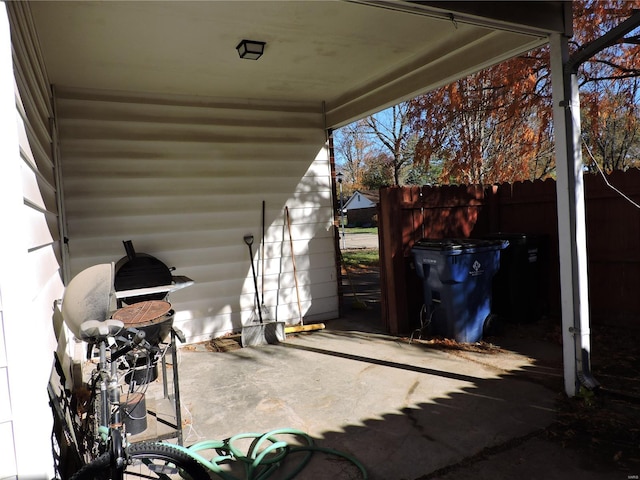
(250, 49)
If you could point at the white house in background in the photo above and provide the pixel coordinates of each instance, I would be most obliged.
(360, 209)
(362, 200)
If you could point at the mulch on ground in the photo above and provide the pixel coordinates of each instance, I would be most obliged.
(605, 423)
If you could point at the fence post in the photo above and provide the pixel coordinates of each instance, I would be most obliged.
(392, 283)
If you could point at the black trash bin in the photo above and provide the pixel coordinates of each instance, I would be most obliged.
(457, 279)
(517, 293)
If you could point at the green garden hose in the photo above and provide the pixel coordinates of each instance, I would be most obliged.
(263, 457)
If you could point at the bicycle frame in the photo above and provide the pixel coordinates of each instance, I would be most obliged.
(106, 431)
(110, 426)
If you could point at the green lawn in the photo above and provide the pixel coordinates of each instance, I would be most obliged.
(356, 230)
(361, 258)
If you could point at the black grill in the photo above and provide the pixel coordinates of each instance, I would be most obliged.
(139, 271)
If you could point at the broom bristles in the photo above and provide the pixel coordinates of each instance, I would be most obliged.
(359, 304)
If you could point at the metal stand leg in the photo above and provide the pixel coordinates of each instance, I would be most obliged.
(175, 398)
(176, 386)
(165, 387)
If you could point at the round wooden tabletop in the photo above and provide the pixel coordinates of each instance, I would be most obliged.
(142, 312)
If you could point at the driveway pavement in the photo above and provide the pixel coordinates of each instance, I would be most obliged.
(354, 241)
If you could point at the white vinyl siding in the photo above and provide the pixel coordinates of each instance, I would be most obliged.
(8, 466)
(184, 178)
(31, 279)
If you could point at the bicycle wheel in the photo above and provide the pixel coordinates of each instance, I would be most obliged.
(148, 461)
(162, 461)
(97, 469)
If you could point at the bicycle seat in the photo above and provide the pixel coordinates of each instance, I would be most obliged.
(98, 331)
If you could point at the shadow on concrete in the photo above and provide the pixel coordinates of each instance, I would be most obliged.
(407, 410)
(492, 428)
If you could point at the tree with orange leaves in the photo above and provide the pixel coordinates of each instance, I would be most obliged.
(354, 147)
(490, 127)
(496, 125)
(609, 87)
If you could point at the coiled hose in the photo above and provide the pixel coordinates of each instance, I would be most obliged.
(264, 456)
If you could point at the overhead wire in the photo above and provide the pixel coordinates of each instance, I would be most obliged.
(606, 180)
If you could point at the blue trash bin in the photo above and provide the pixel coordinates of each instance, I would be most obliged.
(457, 277)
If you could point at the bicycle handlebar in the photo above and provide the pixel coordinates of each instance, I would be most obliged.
(94, 332)
(136, 341)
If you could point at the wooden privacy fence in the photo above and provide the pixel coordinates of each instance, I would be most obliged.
(407, 214)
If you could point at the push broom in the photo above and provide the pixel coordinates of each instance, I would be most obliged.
(264, 332)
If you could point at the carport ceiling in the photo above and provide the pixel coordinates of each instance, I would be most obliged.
(356, 57)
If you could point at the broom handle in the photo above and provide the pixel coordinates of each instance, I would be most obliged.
(255, 282)
(262, 253)
(293, 260)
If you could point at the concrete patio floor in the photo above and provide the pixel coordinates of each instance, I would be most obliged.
(405, 410)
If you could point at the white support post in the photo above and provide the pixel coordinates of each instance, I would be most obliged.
(571, 221)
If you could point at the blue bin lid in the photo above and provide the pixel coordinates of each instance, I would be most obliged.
(513, 238)
(460, 245)
(517, 238)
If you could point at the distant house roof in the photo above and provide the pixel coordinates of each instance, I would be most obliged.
(362, 199)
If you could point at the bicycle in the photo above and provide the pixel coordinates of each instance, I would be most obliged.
(102, 436)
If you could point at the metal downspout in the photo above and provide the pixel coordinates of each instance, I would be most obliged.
(571, 222)
(581, 330)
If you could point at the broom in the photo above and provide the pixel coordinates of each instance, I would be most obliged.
(266, 314)
(293, 261)
(300, 327)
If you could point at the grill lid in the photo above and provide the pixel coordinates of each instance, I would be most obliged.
(141, 271)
